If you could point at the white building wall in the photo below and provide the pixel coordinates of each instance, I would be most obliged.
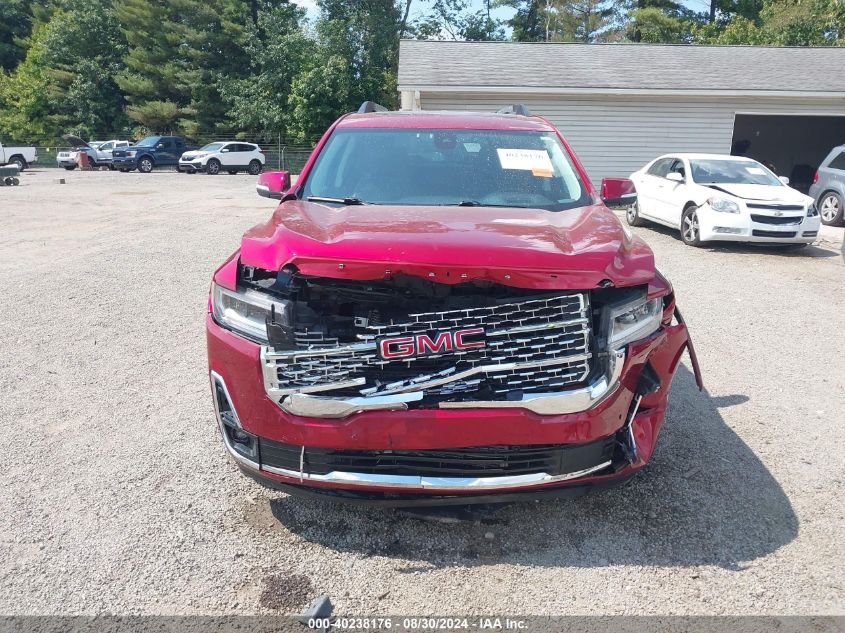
(616, 135)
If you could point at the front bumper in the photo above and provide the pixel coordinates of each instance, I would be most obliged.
(190, 166)
(235, 367)
(739, 227)
(124, 162)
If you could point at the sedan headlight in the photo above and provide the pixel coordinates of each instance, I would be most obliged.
(812, 210)
(723, 205)
(131, 153)
(246, 312)
(634, 321)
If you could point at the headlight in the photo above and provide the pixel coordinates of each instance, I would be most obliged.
(812, 210)
(634, 321)
(131, 154)
(246, 312)
(723, 205)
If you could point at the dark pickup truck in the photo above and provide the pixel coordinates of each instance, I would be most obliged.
(150, 152)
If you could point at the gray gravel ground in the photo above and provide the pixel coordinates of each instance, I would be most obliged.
(117, 497)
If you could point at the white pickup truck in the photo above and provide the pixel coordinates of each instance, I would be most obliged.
(20, 156)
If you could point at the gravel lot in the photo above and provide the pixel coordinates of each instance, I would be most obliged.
(117, 496)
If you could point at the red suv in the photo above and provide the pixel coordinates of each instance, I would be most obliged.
(441, 310)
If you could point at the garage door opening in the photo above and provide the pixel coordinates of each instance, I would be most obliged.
(792, 146)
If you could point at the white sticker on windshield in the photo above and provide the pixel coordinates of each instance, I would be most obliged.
(756, 171)
(536, 161)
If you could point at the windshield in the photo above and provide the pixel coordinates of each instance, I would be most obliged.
(737, 172)
(447, 167)
(211, 147)
(149, 141)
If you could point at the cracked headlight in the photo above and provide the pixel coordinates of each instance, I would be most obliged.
(246, 312)
(723, 205)
(633, 321)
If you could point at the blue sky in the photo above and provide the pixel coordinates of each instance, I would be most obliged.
(420, 7)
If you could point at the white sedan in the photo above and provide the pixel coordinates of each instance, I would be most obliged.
(221, 156)
(710, 197)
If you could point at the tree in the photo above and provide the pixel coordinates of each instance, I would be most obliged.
(178, 52)
(454, 20)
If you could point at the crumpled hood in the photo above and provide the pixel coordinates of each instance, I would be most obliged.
(578, 248)
(765, 193)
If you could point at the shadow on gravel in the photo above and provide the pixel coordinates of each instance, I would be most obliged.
(704, 500)
(778, 250)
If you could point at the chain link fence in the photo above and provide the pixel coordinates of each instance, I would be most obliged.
(280, 154)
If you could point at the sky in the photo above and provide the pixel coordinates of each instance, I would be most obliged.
(420, 7)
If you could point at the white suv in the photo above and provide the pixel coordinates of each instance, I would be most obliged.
(224, 156)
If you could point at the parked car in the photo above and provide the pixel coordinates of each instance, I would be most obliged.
(223, 156)
(828, 188)
(99, 152)
(441, 310)
(726, 198)
(150, 152)
(20, 156)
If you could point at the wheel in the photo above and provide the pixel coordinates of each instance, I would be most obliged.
(111, 167)
(831, 208)
(70, 167)
(690, 233)
(145, 165)
(212, 167)
(632, 215)
(19, 161)
(15, 181)
(255, 167)
(232, 173)
(6, 182)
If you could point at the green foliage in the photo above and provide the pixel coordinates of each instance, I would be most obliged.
(654, 25)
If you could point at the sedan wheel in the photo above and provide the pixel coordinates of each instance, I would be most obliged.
(632, 215)
(831, 209)
(690, 230)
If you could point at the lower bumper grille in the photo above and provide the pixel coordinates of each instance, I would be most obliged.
(775, 234)
(483, 461)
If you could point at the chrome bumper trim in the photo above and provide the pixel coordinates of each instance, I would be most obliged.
(414, 482)
(555, 403)
(217, 379)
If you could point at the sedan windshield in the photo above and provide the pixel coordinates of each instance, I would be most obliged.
(211, 147)
(446, 167)
(149, 141)
(737, 172)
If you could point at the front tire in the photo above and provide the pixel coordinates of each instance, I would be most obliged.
(632, 215)
(145, 165)
(212, 167)
(831, 208)
(255, 167)
(690, 227)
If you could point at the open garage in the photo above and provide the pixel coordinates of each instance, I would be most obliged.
(621, 105)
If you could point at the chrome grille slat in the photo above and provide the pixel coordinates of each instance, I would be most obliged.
(537, 344)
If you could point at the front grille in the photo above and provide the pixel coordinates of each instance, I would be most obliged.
(757, 233)
(782, 220)
(774, 207)
(480, 461)
(537, 345)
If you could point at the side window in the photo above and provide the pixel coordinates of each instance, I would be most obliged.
(661, 167)
(167, 142)
(838, 162)
(243, 147)
(106, 146)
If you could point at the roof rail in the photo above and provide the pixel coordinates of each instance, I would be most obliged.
(516, 108)
(371, 106)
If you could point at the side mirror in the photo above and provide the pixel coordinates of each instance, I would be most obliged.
(225, 149)
(784, 180)
(675, 176)
(273, 184)
(618, 191)
(160, 146)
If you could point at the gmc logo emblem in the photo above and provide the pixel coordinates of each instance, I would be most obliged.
(428, 344)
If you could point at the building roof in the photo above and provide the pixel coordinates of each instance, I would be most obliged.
(624, 68)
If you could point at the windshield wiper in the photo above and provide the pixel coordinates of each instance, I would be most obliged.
(347, 201)
(476, 203)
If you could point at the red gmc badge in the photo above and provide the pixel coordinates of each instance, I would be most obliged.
(418, 345)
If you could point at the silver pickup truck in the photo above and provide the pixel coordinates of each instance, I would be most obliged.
(20, 156)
